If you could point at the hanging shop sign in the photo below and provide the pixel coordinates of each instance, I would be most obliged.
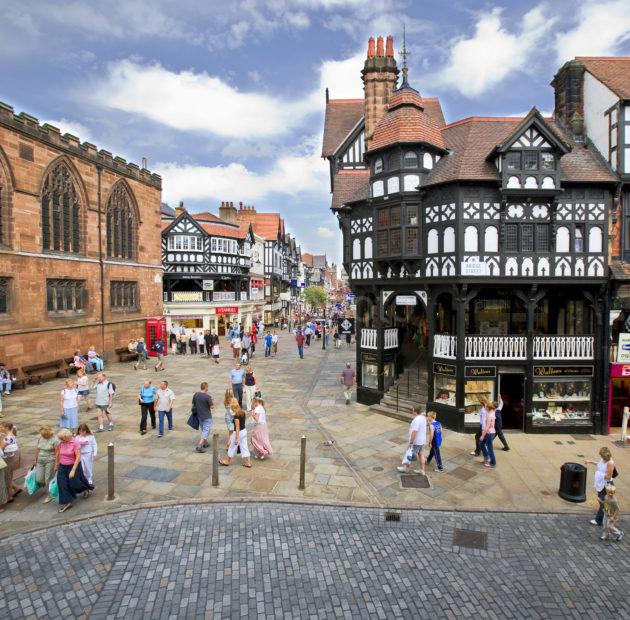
(208, 285)
(406, 300)
(369, 357)
(227, 310)
(623, 350)
(618, 371)
(477, 372)
(444, 369)
(563, 371)
(347, 326)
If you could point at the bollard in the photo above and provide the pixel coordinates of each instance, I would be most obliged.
(215, 460)
(110, 471)
(302, 462)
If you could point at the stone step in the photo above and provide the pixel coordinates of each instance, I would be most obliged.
(404, 404)
(412, 393)
(391, 413)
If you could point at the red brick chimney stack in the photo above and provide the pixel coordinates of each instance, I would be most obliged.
(370, 53)
(389, 47)
(379, 47)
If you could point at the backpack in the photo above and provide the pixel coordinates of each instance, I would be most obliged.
(157, 347)
(139, 347)
(113, 386)
(437, 433)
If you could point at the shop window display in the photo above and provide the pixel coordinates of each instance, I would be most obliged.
(474, 390)
(369, 376)
(562, 401)
(445, 390)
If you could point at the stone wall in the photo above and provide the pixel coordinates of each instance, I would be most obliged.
(28, 333)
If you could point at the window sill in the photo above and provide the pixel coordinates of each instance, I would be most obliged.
(66, 314)
(125, 309)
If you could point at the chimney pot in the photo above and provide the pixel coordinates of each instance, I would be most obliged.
(389, 49)
(379, 47)
(181, 204)
(370, 53)
(240, 206)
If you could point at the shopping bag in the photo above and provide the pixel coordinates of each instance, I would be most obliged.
(408, 456)
(30, 482)
(53, 489)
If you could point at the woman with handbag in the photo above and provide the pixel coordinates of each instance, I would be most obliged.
(70, 477)
(44, 460)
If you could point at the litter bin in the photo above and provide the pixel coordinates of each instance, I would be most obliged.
(573, 482)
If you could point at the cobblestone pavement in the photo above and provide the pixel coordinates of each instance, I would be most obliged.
(288, 561)
(352, 453)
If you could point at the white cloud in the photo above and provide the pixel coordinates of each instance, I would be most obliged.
(72, 127)
(325, 232)
(478, 63)
(299, 173)
(601, 27)
(343, 77)
(198, 102)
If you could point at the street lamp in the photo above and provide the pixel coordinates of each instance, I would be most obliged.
(324, 330)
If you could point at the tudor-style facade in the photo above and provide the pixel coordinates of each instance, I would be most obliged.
(489, 236)
(207, 271)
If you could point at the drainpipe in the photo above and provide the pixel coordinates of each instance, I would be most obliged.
(99, 169)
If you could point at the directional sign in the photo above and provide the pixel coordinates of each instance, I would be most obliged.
(347, 326)
(350, 297)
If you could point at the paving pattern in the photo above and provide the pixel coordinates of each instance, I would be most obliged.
(288, 561)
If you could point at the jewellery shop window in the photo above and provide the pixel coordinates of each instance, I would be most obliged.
(474, 391)
(369, 376)
(564, 402)
(445, 390)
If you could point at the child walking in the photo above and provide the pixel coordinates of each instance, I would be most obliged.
(611, 515)
(89, 450)
(435, 440)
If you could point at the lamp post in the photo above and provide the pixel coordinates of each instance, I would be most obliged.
(324, 330)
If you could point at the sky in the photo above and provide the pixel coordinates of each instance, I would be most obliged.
(226, 99)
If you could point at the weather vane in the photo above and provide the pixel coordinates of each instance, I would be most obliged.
(404, 55)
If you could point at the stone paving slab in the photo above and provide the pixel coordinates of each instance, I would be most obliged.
(303, 397)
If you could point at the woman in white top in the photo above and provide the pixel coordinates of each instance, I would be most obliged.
(83, 387)
(603, 477)
(260, 432)
(483, 412)
(200, 342)
(69, 404)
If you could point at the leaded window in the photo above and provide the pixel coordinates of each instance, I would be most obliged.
(411, 241)
(121, 224)
(65, 295)
(513, 161)
(382, 242)
(4, 295)
(542, 237)
(412, 216)
(61, 211)
(123, 295)
(530, 160)
(411, 159)
(511, 237)
(395, 216)
(527, 237)
(394, 241)
(383, 218)
(378, 166)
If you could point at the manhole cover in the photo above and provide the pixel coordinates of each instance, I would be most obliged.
(463, 474)
(414, 481)
(583, 437)
(377, 468)
(470, 539)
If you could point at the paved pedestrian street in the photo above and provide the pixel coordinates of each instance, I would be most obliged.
(352, 453)
(288, 561)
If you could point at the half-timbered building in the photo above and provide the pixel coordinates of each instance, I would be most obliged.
(485, 242)
(207, 263)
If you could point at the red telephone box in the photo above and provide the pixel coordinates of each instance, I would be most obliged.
(156, 330)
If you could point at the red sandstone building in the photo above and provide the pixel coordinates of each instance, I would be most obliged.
(80, 235)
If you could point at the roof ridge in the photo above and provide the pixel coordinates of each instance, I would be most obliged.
(470, 119)
(602, 58)
(345, 100)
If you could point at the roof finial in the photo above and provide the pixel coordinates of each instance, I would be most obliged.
(404, 54)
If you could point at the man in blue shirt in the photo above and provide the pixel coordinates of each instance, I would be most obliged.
(237, 376)
(268, 341)
(146, 399)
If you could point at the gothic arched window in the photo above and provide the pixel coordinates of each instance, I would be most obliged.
(121, 224)
(61, 211)
(5, 206)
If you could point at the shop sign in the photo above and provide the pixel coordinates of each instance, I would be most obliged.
(227, 310)
(623, 350)
(619, 370)
(369, 357)
(184, 317)
(293, 282)
(347, 326)
(406, 300)
(444, 369)
(563, 371)
(474, 268)
(208, 285)
(477, 372)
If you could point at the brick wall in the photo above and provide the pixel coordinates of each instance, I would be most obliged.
(28, 333)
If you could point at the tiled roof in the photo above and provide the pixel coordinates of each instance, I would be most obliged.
(206, 217)
(307, 259)
(215, 226)
(471, 140)
(341, 117)
(350, 185)
(406, 121)
(264, 224)
(613, 72)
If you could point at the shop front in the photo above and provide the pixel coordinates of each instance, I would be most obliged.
(618, 393)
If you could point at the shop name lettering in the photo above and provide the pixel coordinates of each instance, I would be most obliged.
(555, 371)
(443, 369)
(480, 372)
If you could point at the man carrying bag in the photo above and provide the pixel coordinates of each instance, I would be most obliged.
(201, 416)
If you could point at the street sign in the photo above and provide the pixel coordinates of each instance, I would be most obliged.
(406, 300)
(303, 284)
(350, 297)
(347, 326)
(293, 282)
(623, 350)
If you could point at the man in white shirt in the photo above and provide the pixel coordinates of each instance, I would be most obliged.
(236, 346)
(164, 398)
(274, 344)
(417, 439)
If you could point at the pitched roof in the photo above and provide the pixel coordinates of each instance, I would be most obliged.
(406, 121)
(206, 217)
(307, 259)
(471, 140)
(613, 72)
(341, 117)
(226, 230)
(265, 225)
(350, 185)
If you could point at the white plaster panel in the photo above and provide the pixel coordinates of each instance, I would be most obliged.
(597, 99)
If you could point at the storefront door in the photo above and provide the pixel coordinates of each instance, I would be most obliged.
(512, 391)
(221, 325)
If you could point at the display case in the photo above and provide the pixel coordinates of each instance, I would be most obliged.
(445, 390)
(474, 390)
(369, 375)
(564, 402)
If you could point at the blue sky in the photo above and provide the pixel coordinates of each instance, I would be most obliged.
(226, 100)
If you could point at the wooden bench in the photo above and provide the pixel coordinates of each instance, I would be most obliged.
(20, 378)
(36, 373)
(69, 362)
(124, 355)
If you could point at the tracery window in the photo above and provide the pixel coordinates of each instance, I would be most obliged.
(61, 211)
(121, 224)
(65, 295)
(123, 295)
(4, 295)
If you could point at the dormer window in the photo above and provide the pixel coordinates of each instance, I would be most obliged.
(513, 161)
(378, 166)
(547, 161)
(394, 162)
(411, 159)
(530, 160)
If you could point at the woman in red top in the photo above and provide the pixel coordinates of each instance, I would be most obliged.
(488, 433)
(70, 478)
